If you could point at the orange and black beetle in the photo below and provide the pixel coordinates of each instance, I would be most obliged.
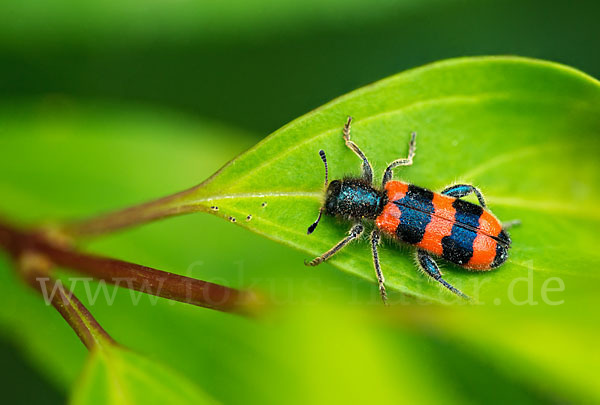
(437, 224)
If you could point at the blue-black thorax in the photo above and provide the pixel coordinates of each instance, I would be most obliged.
(354, 199)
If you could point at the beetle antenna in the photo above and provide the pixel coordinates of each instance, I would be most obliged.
(311, 228)
(324, 159)
(314, 225)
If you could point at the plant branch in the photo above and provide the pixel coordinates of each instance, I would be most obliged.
(35, 270)
(130, 275)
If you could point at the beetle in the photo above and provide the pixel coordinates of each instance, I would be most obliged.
(437, 224)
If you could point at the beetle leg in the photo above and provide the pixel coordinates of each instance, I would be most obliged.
(430, 267)
(462, 190)
(375, 237)
(367, 170)
(354, 233)
(412, 146)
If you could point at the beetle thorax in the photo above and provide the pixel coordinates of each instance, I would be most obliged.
(354, 199)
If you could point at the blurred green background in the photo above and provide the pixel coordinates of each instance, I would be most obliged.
(260, 63)
(128, 78)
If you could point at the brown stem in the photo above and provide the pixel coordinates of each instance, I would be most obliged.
(132, 276)
(35, 270)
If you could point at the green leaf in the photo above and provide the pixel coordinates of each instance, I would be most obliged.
(115, 375)
(524, 131)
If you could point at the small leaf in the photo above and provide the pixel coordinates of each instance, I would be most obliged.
(115, 375)
(524, 131)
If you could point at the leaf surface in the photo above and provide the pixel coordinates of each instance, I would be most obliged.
(524, 131)
(118, 376)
